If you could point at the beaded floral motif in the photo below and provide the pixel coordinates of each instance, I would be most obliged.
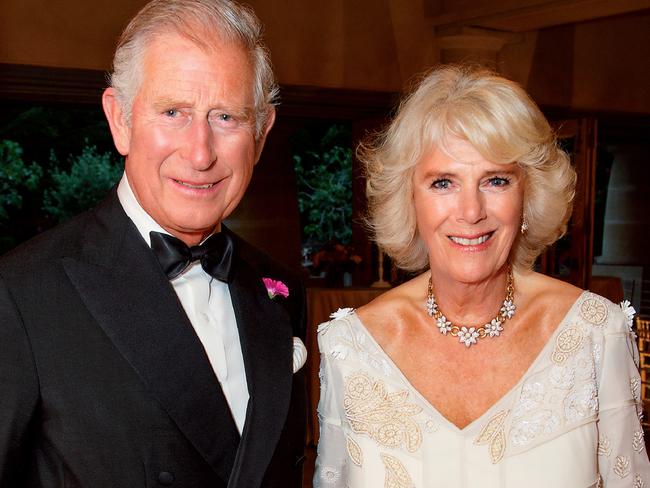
(622, 466)
(581, 403)
(354, 451)
(638, 442)
(385, 417)
(396, 474)
(562, 377)
(597, 354)
(346, 337)
(493, 434)
(431, 425)
(567, 342)
(565, 393)
(638, 482)
(526, 430)
(629, 312)
(329, 475)
(604, 445)
(593, 310)
(339, 314)
(635, 388)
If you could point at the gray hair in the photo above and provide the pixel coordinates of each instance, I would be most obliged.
(197, 20)
(502, 123)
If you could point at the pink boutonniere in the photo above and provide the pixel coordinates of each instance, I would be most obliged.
(275, 288)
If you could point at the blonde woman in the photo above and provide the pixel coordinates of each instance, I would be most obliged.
(479, 371)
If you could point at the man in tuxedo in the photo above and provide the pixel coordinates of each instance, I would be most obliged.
(140, 344)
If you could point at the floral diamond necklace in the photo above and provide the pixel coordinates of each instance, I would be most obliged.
(470, 335)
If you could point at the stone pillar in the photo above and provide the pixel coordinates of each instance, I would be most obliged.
(473, 45)
(626, 234)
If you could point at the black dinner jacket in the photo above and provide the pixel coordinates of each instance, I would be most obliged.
(104, 382)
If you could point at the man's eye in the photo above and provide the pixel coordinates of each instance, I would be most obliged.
(224, 117)
(441, 184)
(172, 112)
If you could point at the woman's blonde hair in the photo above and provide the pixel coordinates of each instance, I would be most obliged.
(502, 123)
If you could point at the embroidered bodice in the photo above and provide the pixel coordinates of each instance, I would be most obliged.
(572, 421)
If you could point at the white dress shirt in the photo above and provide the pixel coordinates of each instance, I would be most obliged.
(207, 303)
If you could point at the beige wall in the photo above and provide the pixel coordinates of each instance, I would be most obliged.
(62, 33)
(365, 44)
(612, 64)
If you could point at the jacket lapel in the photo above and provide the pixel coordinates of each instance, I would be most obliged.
(266, 339)
(122, 285)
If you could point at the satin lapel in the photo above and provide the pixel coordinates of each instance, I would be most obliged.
(124, 288)
(266, 338)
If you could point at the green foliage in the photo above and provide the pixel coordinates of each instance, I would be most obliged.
(324, 174)
(16, 177)
(30, 133)
(88, 179)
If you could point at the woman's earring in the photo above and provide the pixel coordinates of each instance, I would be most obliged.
(524, 225)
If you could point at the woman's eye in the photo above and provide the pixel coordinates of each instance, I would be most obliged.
(441, 184)
(499, 181)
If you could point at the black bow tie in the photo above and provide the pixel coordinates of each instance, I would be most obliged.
(175, 256)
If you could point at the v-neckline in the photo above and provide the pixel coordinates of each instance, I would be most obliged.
(469, 427)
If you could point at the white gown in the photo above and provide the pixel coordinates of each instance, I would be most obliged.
(572, 421)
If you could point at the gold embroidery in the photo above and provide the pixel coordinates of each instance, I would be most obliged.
(622, 466)
(567, 342)
(492, 426)
(637, 442)
(493, 434)
(604, 446)
(498, 446)
(385, 417)
(396, 474)
(593, 310)
(354, 451)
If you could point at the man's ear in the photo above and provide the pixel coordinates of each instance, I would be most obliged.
(120, 130)
(270, 120)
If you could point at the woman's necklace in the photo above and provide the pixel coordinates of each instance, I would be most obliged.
(470, 335)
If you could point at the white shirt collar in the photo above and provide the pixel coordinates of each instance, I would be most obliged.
(142, 220)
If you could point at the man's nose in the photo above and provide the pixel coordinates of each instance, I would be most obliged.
(471, 206)
(199, 145)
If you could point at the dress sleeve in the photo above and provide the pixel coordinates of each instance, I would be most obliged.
(622, 457)
(331, 461)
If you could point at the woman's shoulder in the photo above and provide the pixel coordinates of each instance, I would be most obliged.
(391, 309)
(583, 305)
(368, 314)
(383, 315)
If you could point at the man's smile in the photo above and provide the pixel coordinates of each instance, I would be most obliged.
(195, 186)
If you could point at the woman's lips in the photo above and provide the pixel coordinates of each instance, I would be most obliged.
(471, 241)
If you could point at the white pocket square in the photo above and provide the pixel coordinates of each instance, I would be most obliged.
(299, 354)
